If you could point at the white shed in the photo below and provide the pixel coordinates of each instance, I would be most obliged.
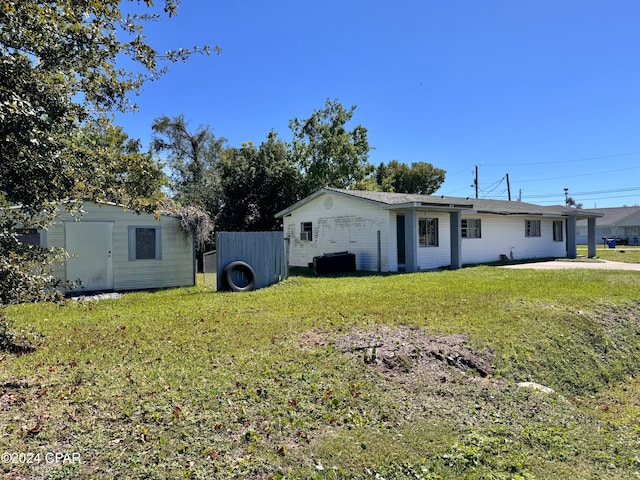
(117, 249)
(391, 232)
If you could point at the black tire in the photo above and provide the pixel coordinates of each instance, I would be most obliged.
(246, 270)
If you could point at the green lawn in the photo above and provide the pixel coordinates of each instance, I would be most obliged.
(618, 254)
(339, 377)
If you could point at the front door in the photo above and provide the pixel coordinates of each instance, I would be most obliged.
(90, 244)
(400, 241)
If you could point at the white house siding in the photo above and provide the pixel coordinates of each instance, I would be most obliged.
(505, 235)
(175, 268)
(340, 224)
(435, 256)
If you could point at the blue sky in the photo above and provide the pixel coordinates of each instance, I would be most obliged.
(546, 91)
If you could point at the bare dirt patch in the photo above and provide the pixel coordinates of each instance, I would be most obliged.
(408, 355)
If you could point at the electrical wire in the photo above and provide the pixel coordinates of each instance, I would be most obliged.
(615, 155)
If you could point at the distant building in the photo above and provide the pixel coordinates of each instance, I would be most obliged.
(621, 223)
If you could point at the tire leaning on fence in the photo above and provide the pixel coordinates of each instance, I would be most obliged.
(243, 268)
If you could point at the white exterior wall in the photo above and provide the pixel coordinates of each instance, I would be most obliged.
(351, 224)
(175, 268)
(435, 256)
(340, 224)
(505, 235)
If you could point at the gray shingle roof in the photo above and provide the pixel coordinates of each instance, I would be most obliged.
(499, 207)
(479, 205)
(613, 216)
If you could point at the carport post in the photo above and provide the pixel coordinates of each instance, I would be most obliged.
(455, 219)
(411, 240)
(591, 237)
(572, 250)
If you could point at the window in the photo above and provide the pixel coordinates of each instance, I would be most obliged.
(428, 232)
(145, 243)
(471, 228)
(29, 236)
(532, 228)
(557, 230)
(306, 231)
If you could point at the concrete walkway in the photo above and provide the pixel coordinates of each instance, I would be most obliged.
(589, 264)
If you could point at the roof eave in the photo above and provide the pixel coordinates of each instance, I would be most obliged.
(428, 206)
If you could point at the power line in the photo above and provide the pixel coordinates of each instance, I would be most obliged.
(579, 175)
(589, 199)
(553, 162)
(594, 192)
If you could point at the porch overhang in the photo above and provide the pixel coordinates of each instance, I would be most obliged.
(572, 217)
(410, 211)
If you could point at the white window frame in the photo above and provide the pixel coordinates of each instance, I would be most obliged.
(471, 228)
(133, 229)
(306, 231)
(558, 231)
(532, 228)
(428, 232)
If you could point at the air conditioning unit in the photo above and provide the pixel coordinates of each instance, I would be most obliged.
(305, 236)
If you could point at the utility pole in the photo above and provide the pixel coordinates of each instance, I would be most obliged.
(476, 181)
(508, 187)
(566, 197)
(520, 195)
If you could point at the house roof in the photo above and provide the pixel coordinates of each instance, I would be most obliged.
(394, 200)
(616, 215)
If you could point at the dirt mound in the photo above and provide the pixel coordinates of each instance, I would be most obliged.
(405, 352)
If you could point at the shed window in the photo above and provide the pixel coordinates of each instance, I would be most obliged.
(306, 231)
(145, 243)
(532, 228)
(557, 230)
(428, 232)
(471, 228)
(29, 236)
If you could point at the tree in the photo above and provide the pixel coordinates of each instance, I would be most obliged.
(256, 183)
(58, 69)
(570, 202)
(114, 169)
(193, 160)
(58, 65)
(327, 153)
(421, 178)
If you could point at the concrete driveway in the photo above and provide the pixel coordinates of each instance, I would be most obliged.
(589, 264)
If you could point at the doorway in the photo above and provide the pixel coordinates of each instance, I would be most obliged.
(400, 236)
(90, 244)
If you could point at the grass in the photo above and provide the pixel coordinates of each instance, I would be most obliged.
(625, 254)
(190, 383)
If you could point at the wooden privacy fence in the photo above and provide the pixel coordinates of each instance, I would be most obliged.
(265, 252)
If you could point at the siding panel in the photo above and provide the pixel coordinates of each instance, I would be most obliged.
(263, 251)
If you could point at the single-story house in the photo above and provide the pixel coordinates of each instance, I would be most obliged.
(620, 222)
(392, 232)
(116, 249)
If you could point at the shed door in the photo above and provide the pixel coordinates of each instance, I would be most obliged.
(90, 243)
